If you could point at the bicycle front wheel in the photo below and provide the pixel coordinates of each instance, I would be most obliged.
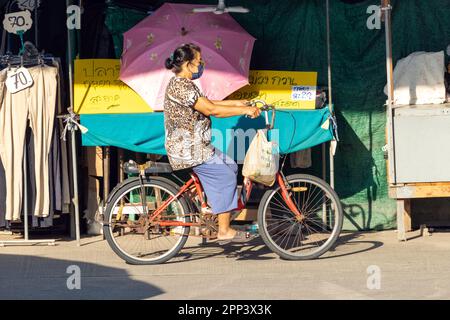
(128, 230)
(301, 239)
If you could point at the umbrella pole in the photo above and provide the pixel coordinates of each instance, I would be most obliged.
(73, 137)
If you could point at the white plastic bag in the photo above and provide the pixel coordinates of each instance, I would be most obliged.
(261, 161)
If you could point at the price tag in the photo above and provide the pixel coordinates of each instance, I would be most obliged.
(303, 93)
(17, 21)
(18, 80)
(28, 4)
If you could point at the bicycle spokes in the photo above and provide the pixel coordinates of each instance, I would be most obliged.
(132, 230)
(305, 234)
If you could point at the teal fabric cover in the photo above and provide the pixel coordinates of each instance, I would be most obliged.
(144, 132)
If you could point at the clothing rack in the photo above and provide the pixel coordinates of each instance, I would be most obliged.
(28, 59)
(26, 240)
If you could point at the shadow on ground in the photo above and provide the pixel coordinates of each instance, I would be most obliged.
(347, 244)
(30, 277)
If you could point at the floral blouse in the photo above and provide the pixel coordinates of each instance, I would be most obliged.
(188, 132)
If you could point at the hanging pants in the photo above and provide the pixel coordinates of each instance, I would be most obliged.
(37, 104)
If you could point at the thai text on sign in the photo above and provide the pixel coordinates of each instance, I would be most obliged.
(284, 89)
(98, 90)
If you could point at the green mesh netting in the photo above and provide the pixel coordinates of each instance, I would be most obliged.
(119, 20)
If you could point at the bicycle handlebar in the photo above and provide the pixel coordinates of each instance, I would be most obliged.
(266, 108)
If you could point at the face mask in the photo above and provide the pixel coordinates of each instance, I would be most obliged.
(198, 74)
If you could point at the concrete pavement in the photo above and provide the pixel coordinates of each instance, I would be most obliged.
(364, 266)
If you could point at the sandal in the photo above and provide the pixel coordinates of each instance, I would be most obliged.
(239, 237)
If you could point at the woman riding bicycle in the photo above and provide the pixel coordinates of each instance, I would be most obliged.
(148, 218)
(187, 122)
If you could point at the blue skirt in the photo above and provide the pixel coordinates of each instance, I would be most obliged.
(218, 177)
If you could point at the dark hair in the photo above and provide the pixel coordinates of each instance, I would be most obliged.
(183, 53)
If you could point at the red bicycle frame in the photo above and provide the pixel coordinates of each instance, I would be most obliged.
(194, 182)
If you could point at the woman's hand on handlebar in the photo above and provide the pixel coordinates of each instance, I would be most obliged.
(252, 112)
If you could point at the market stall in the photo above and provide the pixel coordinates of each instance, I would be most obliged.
(291, 35)
(417, 129)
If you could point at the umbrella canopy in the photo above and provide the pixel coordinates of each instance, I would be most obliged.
(226, 49)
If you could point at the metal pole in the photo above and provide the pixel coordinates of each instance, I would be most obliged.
(121, 161)
(75, 187)
(386, 10)
(330, 101)
(106, 173)
(73, 138)
(389, 64)
(324, 175)
(330, 96)
(25, 193)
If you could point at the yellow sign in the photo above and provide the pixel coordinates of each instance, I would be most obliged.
(99, 90)
(284, 89)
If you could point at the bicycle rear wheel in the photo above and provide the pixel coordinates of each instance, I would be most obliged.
(295, 239)
(127, 230)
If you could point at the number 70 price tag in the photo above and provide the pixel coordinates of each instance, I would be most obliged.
(17, 21)
(18, 80)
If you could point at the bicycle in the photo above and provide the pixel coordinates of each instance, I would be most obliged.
(148, 218)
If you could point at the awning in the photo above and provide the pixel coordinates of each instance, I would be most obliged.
(144, 132)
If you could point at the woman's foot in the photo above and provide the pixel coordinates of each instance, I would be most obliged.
(239, 236)
(226, 235)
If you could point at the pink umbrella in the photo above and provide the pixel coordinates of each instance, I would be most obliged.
(226, 49)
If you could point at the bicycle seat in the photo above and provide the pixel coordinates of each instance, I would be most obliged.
(149, 167)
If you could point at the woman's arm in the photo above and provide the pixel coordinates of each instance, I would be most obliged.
(229, 102)
(208, 108)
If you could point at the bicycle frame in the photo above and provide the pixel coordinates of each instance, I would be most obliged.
(282, 225)
(194, 182)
